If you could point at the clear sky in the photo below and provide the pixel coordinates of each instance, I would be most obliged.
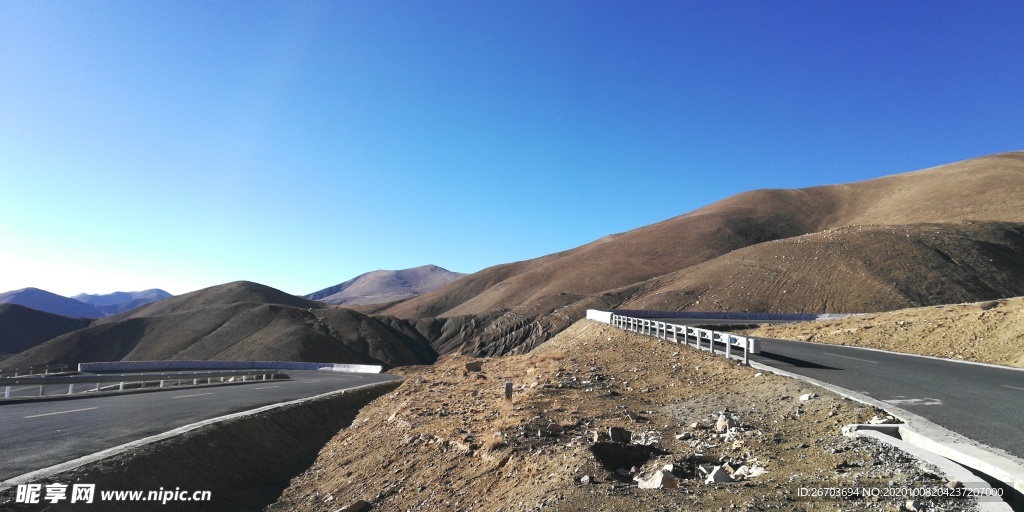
(183, 144)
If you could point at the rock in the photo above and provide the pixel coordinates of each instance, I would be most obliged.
(724, 423)
(718, 475)
(756, 471)
(876, 420)
(357, 506)
(619, 435)
(474, 366)
(662, 479)
(807, 396)
(630, 415)
(600, 436)
(914, 505)
(622, 472)
(684, 436)
(758, 374)
(954, 484)
(586, 479)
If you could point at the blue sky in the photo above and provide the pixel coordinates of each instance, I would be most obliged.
(183, 144)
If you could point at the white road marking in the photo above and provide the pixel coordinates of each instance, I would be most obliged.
(61, 412)
(186, 396)
(915, 401)
(268, 387)
(1012, 387)
(848, 357)
(311, 381)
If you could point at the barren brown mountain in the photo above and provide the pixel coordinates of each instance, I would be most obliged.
(214, 324)
(852, 269)
(988, 189)
(529, 301)
(953, 233)
(386, 286)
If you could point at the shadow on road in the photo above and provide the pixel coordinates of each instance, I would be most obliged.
(792, 361)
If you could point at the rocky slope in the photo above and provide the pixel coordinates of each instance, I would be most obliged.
(448, 440)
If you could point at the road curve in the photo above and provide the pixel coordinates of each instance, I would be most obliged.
(38, 435)
(981, 402)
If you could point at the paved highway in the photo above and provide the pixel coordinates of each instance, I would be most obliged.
(980, 402)
(37, 435)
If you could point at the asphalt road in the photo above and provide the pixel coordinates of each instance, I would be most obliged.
(37, 435)
(980, 402)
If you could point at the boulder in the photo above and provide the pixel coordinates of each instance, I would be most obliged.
(357, 506)
(718, 475)
(725, 423)
(662, 479)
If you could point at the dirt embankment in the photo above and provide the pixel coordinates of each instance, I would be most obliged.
(448, 439)
(986, 332)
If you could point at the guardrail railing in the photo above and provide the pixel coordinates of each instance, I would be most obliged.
(732, 345)
(43, 369)
(120, 382)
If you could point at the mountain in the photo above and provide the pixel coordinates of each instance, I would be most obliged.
(987, 188)
(385, 286)
(22, 327)
(237, 321)
(690, 261)
(118, 302)
(43, 300)
(953, 233)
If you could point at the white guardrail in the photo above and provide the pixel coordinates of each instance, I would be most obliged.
(122, 382)
(733, 346)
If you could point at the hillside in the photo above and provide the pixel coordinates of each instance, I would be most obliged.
(225, 322)
(984, 332)
(43, 300)
(852, 269)
(736, 254)
(384, 286)
(985, 189)
(447, 439)
(22, 328)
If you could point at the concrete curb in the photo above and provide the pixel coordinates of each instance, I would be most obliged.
(111, 452)
(952, 470)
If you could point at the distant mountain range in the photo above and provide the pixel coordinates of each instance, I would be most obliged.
(953, 233)
(384, 286)
(82, 305)
(237, 321)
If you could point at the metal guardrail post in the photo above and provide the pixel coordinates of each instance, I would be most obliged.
(7, 391)
(728, 346)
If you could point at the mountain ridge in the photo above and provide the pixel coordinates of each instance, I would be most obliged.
(384, 286)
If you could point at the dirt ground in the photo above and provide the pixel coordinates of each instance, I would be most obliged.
(986, 332)
(447, 439)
